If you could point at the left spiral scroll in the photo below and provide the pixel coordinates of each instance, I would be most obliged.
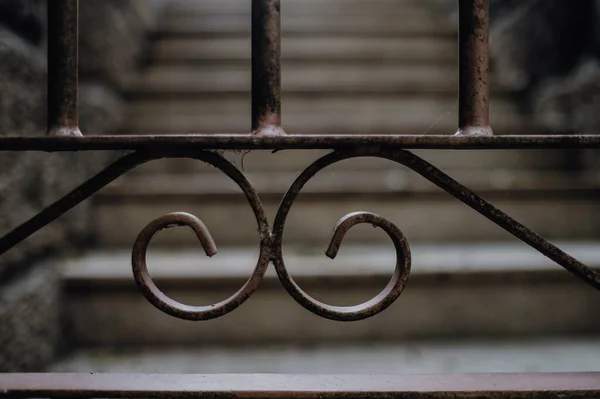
(196, 313)
(143, 279)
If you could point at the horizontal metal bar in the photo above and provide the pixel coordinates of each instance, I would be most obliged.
(90, 385)
(294, 142)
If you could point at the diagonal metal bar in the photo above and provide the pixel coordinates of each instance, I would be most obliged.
(291, 142)
(445, 182)
(122, 166)
(523, 233)
(71, 200)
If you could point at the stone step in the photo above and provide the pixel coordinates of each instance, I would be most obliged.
(488, 290)
(422, 211)
(397, 24)
(499, 355)
(296, 7)
(322, 78)
(312, 113)
(309, 49)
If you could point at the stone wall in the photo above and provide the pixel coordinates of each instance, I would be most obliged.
(548, 52)
(112, 34)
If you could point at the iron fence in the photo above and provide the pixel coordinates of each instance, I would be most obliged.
(474, 132)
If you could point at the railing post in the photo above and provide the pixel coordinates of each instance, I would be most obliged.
(63, 33)
(473, 109)
(266, 68)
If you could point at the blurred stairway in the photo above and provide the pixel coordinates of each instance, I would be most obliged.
(354, 67)
(348, 67)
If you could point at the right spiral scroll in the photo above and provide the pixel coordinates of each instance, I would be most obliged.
(403, 263)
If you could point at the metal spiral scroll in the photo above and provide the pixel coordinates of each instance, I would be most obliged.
(271, 242)
(341, 313)
(270, 250)
(168, 305)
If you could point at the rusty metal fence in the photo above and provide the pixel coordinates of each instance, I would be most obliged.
(474, 133)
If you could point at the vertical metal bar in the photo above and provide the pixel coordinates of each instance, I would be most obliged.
(266, 68)
(474, 110)
(63, 33)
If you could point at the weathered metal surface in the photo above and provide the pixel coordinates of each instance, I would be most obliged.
(266, 68)
(340, 313)
(473, 106)
(63, 27)
(395, 287)
(70, 200)
(251, 386)
(271, 242)
(295, 142)
(195, 313)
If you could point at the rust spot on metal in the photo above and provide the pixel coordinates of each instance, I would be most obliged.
(266, 68)
(473, 113)
(63, 31)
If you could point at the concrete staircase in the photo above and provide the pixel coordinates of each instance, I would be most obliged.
(355, 67)
(389, 67)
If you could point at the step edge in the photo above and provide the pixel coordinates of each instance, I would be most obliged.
(465, 265)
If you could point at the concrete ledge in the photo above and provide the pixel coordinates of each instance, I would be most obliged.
(538, 354)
